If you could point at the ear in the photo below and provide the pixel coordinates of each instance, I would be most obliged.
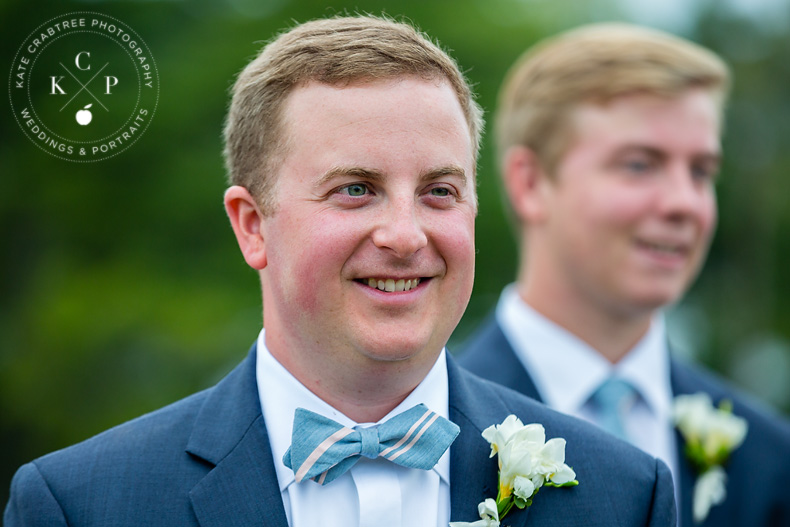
(526, 184)
(247, 222)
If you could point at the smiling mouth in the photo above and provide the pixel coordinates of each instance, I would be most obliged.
(663, 249)
(390, 285)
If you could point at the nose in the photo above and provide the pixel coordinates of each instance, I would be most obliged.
(399, 230)
(684, 197)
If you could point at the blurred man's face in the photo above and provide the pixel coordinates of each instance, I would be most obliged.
(632, 208)
(370, 252)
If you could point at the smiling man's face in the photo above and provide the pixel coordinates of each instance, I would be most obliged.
(370, 251)
(631, 208)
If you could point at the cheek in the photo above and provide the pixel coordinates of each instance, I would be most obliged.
(311, 261)
(598, 211)
(623, 204)
(319, 271)
(455, 241)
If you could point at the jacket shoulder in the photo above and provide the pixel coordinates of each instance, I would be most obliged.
(640, 494)
(764, 452)
(152, 434)
(474, 352)
(141, 461)
(489, 354)
(765, 424)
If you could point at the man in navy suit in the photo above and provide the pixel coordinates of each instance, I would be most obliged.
(608, 140)
(351, 145)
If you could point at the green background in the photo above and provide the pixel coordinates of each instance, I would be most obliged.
(121, 285)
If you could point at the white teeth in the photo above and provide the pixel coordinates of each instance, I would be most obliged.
(664, 248)
(391, 285)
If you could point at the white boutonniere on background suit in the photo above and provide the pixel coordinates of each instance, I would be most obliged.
(527, 462)
(711, 434)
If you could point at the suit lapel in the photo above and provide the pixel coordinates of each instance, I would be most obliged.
(230, 434)
(473, 474)
(491, 356)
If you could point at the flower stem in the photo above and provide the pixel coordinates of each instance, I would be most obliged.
(504, 505)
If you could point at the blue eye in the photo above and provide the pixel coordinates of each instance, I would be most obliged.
(703, 173)
(355, 190)
(637, 166)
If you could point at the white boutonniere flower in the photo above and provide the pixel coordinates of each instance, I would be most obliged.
(527, 462)
(711, 434)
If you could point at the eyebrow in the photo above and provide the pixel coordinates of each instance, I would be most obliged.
(376, 175)
(336, 172)
(708, 157)
(451, 170)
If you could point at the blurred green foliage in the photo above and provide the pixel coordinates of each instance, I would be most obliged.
(121, 286)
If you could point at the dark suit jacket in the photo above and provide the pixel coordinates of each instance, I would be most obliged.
(758, 471)
(206, 461)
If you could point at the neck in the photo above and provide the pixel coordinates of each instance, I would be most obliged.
(611, 332)
(364, 392)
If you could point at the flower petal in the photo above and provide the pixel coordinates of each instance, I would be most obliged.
(523, 487)
(533, 433)
(709, 490)
(564, 475)
(488, 509)
(554, 450)
(488, 513)
(500, 435)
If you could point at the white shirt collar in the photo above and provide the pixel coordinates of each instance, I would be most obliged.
(281, 393)
(566, 370)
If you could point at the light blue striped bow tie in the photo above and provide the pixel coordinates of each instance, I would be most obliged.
(323, 449)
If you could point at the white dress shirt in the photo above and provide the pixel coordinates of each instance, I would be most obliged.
(567, 371)
(375, 492)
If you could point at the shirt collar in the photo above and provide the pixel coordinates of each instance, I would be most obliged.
(646, 367)
(281, 394)
(566, 370)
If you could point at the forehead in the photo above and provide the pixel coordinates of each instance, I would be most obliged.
(363, 99)
(378, 121)
(688, 122)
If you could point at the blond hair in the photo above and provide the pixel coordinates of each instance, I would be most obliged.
(332, 51)
(594, 64)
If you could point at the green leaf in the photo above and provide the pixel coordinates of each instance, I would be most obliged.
(504, 506)
(560, 485)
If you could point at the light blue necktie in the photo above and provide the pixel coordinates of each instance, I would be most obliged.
(609, 399)
(323, 449)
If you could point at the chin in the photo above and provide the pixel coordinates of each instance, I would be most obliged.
(400, 350)
(650, 301)
(652, 293)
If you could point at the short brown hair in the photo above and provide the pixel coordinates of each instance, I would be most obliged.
(594, 64)
(332, 51)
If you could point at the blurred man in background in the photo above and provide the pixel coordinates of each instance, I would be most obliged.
(351, 145)
(608, 140)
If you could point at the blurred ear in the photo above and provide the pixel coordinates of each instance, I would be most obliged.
(246, 220)
(526, 184)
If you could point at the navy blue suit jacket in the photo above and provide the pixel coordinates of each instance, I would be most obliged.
(206, 461)
(758, 471)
